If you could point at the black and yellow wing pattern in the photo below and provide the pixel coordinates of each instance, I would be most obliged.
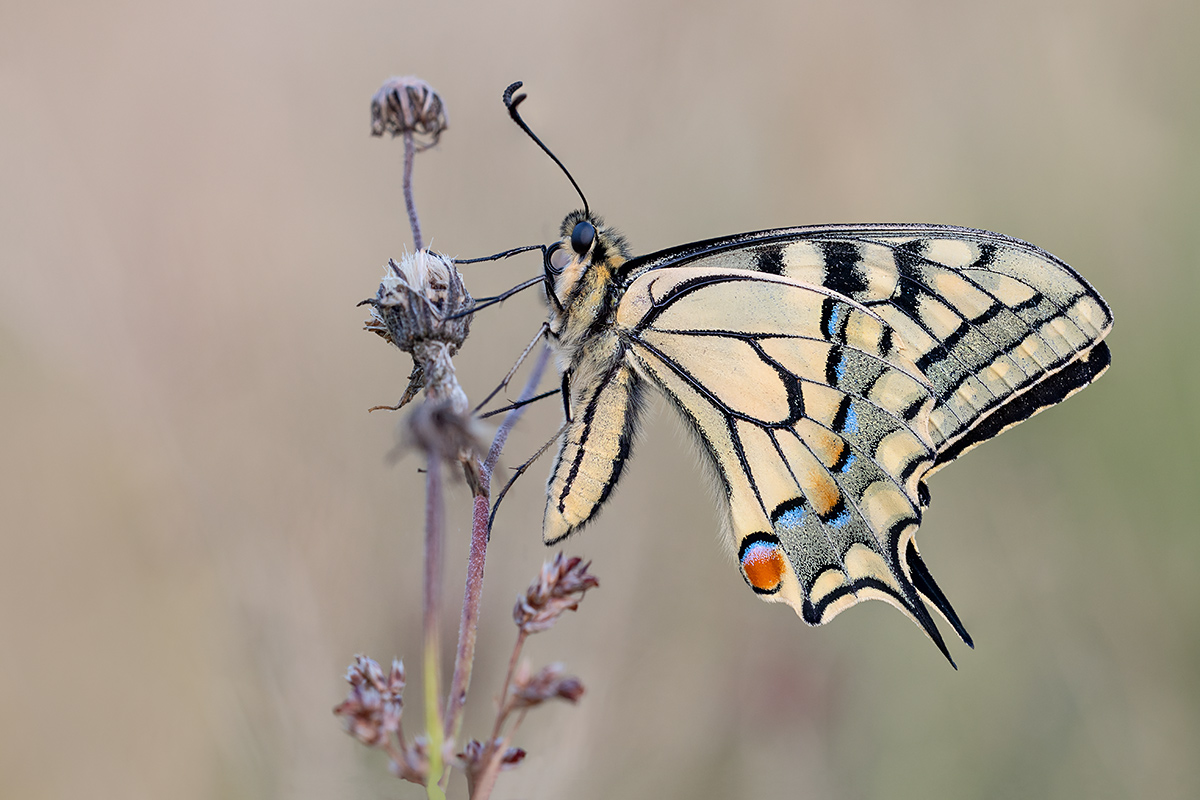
(827, 372)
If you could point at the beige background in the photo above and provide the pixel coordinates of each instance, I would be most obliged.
(199, 530)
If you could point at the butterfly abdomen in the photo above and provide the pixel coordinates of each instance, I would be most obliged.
(595, 445)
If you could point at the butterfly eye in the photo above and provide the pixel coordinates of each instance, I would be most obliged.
(558, 258)
(582, 237)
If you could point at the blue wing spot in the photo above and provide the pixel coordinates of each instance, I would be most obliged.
(850, 459)
(851, 423)
(792, 518)
(842, 519)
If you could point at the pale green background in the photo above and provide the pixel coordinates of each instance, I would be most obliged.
(199, 530)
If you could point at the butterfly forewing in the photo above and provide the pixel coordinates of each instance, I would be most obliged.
(984, 316)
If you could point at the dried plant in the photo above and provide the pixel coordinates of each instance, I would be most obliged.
(423, 308)
(409, 107)
(558, 588)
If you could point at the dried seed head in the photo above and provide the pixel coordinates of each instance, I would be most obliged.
(560, 587)
(415, 298)
(417, 308)
(408, 105)
(371, 711)
(548, 684)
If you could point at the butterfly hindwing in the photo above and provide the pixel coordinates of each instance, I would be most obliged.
(813, 418)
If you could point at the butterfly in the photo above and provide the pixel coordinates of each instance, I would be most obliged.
(826, 372)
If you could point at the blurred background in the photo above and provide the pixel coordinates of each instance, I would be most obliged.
(199, 530)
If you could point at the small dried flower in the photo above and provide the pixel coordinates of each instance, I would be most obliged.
(548, 684)
(423, 308)
(472, 754)
(475, 755)
(560, 587)
(372, 709)
(408, 105)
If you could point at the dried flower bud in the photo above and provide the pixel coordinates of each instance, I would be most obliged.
(371, 711)
(408, 105)
(548, 684)
(423, 308)
(560, 587)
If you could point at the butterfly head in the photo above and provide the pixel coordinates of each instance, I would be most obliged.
(580, 270)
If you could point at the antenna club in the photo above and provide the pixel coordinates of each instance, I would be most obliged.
(511, 104)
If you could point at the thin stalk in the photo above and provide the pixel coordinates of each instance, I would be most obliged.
(512, 669)
(434, 535)
(410, 153)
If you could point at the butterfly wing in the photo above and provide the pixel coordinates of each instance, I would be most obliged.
(829, 370)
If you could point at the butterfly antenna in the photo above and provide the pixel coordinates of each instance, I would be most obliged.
(511, 104)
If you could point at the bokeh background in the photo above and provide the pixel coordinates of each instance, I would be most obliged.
(199, 527)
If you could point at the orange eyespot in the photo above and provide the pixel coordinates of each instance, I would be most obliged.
(763, 566)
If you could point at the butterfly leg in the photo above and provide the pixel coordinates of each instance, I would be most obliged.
(520, 360)
(521, 471)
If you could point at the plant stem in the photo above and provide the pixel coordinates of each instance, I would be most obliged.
(512, 668)
(478, 555)
(469, 624)
(434, 534)
(410, 152)
(477, 558)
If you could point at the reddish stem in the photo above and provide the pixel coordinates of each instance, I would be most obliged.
(477, 557)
